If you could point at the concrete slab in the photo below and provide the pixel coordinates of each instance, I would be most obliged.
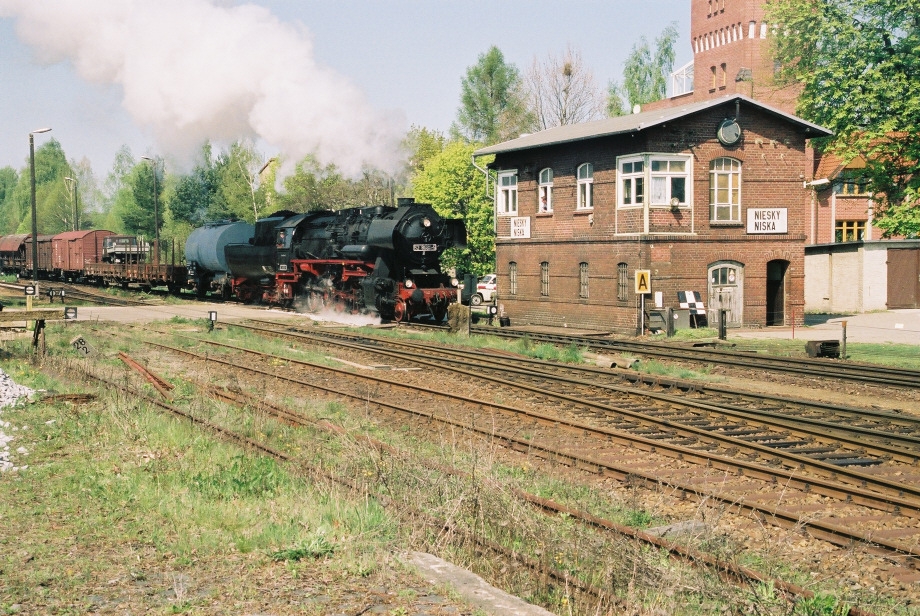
(889, 326)
(474, 590)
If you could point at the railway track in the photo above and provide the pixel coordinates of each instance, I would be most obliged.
(76, 293)
(825, 368)
(829, 509)
(736, 573)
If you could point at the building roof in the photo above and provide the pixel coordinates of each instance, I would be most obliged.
(637, 122)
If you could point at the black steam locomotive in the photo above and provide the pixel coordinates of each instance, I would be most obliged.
(381, 259)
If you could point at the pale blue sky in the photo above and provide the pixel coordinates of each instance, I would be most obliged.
(405, 59)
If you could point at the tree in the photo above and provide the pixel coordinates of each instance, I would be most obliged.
(492, 104)
(561, 90)
(451, 184)
(237, 172)
(858, 62)
(50, 194)
(645, 74)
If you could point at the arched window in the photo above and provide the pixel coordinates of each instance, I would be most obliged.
(512, 278)
(585, 186)
(545, 191)
(725, 190)
(544, 278)
(583, 280)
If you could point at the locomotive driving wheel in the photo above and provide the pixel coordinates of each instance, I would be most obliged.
(314, 300)
(399, 311)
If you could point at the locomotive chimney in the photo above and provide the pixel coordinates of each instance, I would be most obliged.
(401, 201)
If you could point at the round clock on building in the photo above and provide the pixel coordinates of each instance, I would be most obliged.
(729, 132)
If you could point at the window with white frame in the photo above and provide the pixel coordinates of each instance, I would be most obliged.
(668, 181)
(632, 182)
(585, 186)
(725, 190)
(666, 176)
(545, 191)
(506, 196)
(512, 278)
(544, 278)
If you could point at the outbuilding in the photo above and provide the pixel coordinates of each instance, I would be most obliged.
(704, 204)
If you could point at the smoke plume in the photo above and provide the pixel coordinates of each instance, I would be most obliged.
(193, 70)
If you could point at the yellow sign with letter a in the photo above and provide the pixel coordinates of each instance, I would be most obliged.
(643, 281)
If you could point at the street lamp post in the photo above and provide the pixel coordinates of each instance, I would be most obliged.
(76, 210)
(34, 217)
(156, 210)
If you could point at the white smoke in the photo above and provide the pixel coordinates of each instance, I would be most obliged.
(194, 70)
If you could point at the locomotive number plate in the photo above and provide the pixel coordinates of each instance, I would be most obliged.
(424, 247)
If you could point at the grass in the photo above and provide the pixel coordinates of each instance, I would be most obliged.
(132, 495)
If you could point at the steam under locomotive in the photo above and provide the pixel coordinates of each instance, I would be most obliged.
(381, 259)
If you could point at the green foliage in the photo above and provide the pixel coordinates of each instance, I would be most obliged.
(491, 100)
(52, 197)
(820, 605)
(645, 73)
(857, 62)
(316, 546)
(244, 477)
(423, 145)
(454, 187)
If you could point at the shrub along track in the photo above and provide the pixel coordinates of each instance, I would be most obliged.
(598, 597)
(642, 459)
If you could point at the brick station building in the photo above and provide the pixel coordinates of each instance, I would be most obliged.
(708, 197)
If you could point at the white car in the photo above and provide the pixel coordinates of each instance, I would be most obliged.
(485, 290)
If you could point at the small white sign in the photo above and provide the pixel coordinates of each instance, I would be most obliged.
(520, 227)
(767, 220)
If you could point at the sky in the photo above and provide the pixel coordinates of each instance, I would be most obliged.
(343, 79)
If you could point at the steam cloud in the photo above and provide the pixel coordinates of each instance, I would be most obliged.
(193, 70)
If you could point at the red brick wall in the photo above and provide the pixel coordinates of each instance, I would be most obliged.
(773, 160)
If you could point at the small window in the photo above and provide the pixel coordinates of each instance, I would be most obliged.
(724, 276)
(724, 70)
(506, 195)
(851, 182)
(712, 82)
(668, 182)
(545, 191)
(725, 190)
(544, 279)
(850, 231)
(622, 282)
(585, 186)
(583, 280)
(632, 183)
(512, 278)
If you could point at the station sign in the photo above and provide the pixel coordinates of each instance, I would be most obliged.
(767, 220)
(520, 227)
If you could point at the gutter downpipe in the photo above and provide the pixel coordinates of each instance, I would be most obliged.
(485, 172)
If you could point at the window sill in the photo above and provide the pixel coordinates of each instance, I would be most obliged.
(726, 223)
(584, 211)
(507, 214)
(544, 214)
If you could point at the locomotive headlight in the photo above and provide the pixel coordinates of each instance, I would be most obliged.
(454, 282)
(426, 223)
(408, 283)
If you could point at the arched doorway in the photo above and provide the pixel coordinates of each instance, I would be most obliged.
(726, 292)
(776, 292)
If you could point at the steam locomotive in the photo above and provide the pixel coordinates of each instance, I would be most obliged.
(381, 260)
